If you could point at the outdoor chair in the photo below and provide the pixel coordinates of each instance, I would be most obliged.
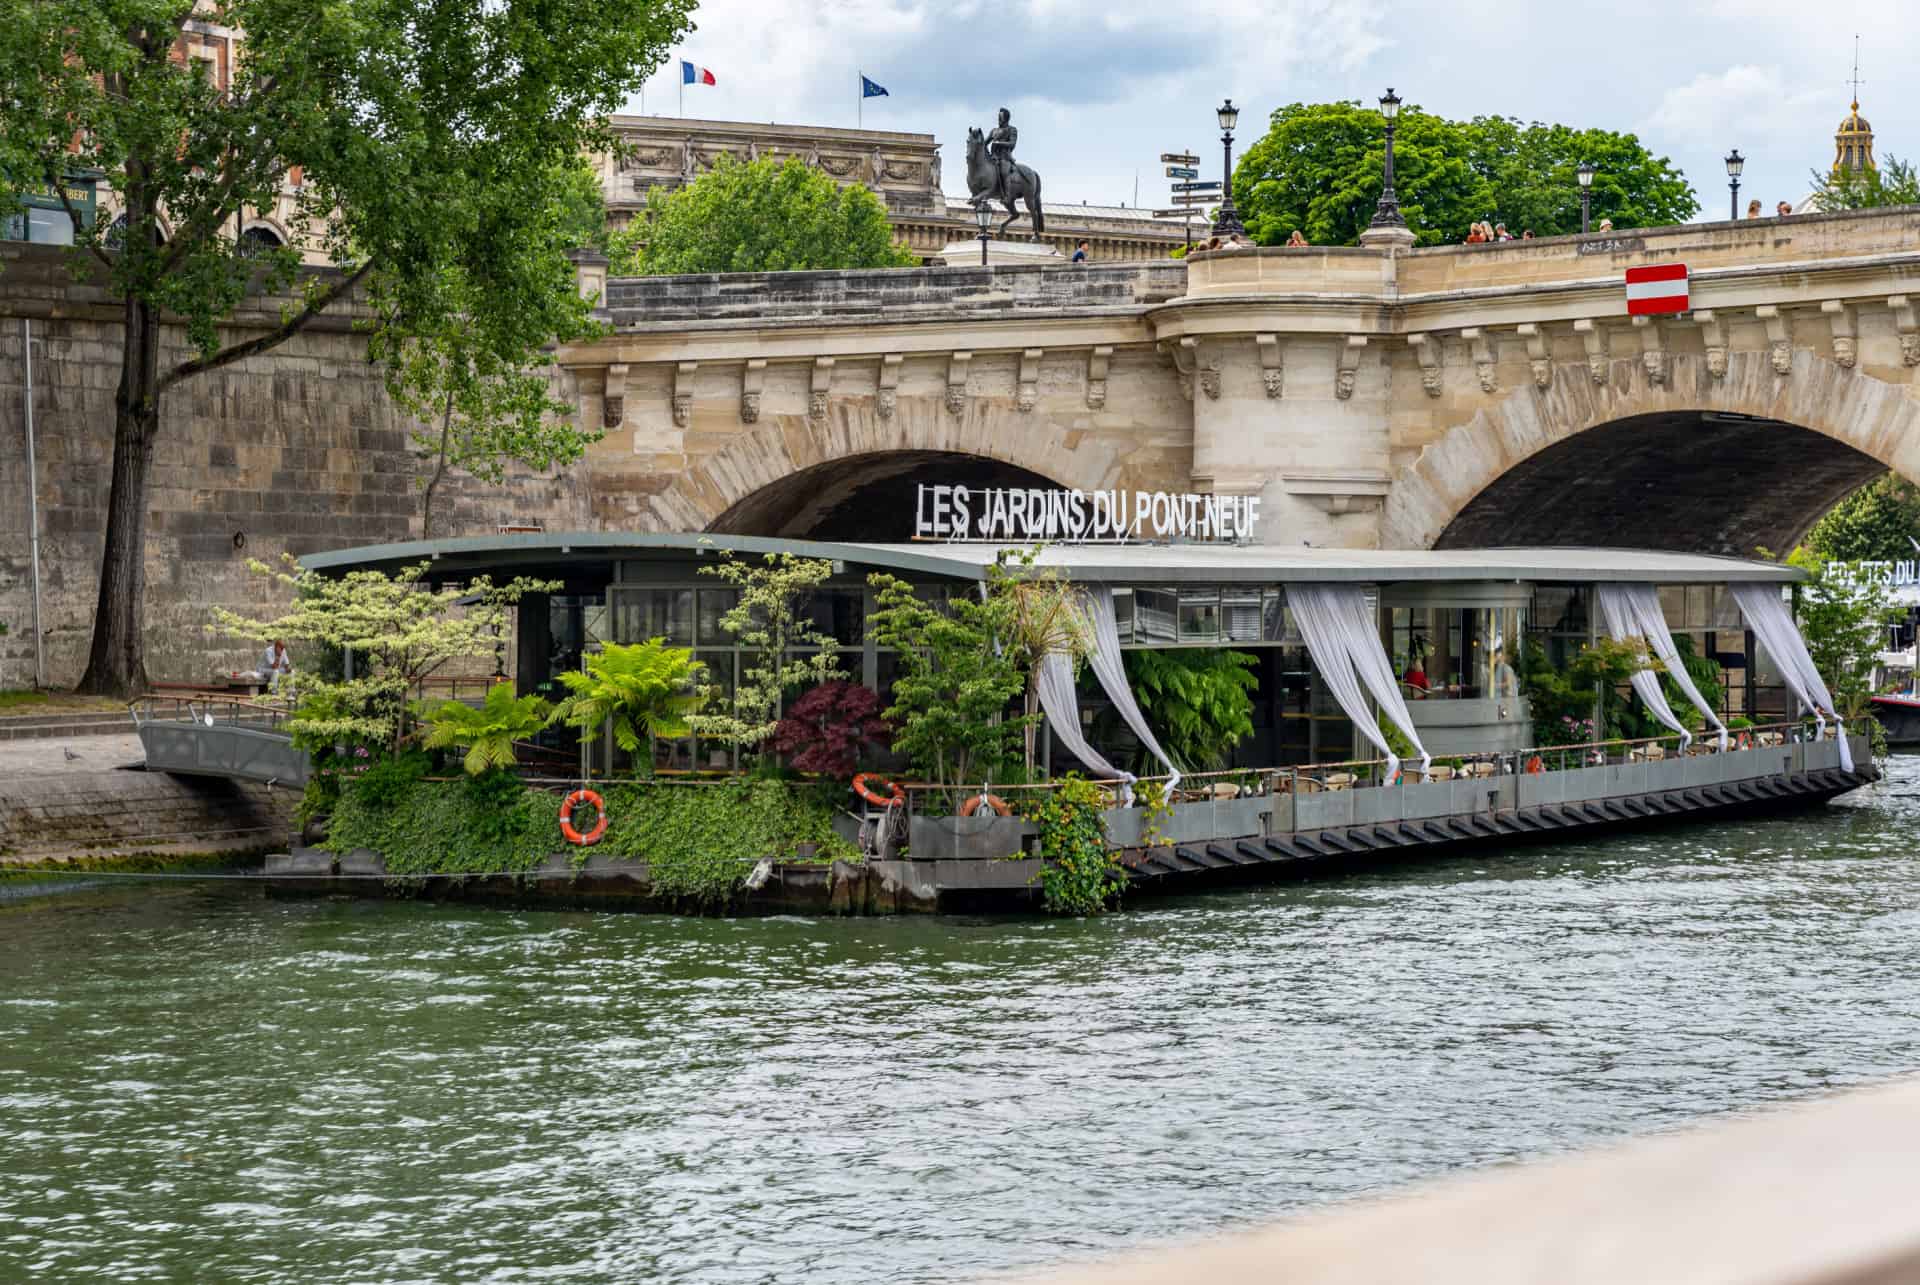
(1223, 790)
(1441, 773)
(1340, 780)
(1482, 769)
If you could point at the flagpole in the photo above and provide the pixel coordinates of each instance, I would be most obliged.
(860, 104)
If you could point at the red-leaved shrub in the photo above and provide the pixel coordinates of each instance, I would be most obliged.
(829, 728)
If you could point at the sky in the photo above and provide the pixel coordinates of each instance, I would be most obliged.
(1099, 88)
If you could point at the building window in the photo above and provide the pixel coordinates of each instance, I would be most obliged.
(38, 225)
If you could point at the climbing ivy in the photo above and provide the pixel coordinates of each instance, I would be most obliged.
(700, 842)
(1079, 873)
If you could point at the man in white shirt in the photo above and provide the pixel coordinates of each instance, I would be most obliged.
(276, 664)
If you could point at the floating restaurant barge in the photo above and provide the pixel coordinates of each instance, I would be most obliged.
(1338, 636)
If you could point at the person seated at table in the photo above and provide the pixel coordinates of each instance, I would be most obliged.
(1415, 679)
(276, 664)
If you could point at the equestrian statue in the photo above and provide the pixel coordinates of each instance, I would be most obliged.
(995, 178)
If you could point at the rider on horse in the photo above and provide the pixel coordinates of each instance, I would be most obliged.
(1000, 143)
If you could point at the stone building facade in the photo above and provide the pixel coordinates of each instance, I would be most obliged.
(903, 169)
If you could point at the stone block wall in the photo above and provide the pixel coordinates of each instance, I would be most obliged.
(291, 452)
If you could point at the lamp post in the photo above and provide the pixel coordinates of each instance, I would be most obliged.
(1735, 163)
(985, 217)
(1585, 174)
(1226, 221)
(1389, 226)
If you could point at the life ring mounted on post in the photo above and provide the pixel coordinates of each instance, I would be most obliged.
(861, 788)
(566, 818)
(994, 801)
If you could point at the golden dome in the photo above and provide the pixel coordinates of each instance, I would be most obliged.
(1855, 123)
(1853, 144)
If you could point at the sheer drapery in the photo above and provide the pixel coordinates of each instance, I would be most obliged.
(1633, 610)
(1344, 641)
(1062, 706)
(1773, 625)
(1105, 662)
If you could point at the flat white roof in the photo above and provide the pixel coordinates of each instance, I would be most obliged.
(1115, 563)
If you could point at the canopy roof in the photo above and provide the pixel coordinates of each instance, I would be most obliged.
(580, 553)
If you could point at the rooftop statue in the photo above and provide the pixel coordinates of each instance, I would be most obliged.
(995, 178)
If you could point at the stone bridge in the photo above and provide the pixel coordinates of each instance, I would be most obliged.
(1459, 395)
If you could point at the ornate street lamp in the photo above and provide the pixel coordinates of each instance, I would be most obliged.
(984, 214)
(1585, 174)
(1735, 163)
(1226, 221)
(1389, 226)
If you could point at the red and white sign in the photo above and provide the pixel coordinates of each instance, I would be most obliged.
(1656, 290)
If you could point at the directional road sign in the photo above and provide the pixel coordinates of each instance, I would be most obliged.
(1179, 158)
(1182, 171)
(1211, 185)
(1193, 198)
(1173, 214)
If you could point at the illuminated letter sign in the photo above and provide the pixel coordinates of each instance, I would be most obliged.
(1024, 515)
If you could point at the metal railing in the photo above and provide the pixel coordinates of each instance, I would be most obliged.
(209, 710)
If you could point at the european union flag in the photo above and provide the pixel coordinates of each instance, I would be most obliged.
(870, 90)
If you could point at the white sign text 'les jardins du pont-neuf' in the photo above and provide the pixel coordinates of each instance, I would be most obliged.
(1026, 514)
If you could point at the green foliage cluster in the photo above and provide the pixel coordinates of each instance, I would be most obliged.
(954, 683)
(1080, 874)
(646, 690)
(479, 825)
(758, 216)
(1199, 701)
(700, 841)
(1043, 617)
(1877, 523)
(1318, 170)
(488, 733)
(1843, 617)
(1893, 183)
(767, 625)
(1564, 698)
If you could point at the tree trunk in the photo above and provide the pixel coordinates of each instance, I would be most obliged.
(117, 664)
(439, 471)
(1032, 729)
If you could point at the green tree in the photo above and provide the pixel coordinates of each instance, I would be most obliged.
(429, 134)
(646, 690)
(1844, 619)
(1199, 700)
(399, 631)
(759, 216)
(1044, 617)
(1877, 523)
(1318, 169)
(1893, 183)
(954, 683)
(489, 731)
(783, 652)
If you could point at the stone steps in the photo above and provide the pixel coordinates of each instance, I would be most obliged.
(23, 727)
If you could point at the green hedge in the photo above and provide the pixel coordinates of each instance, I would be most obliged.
(699, 841)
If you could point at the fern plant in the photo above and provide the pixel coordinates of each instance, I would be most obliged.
(489, 731)
(1199, 701)
(646, 690)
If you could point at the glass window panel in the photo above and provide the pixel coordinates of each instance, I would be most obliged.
(49, 227)
(1153, 615)
(1200, 615)
(1673, 605)
(838, 613)
(1240, 610)
(713, 604)
(1123, 614)
(720, 677)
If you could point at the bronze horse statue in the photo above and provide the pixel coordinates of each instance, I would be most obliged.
(985, 186)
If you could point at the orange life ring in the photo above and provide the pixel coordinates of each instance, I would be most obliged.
(994, 801)
(566, 818)
(879, 800)
(1535, 765)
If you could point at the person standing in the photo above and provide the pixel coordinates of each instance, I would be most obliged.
(1080, 251)
(1753, 208)
(1783, 211)
(276, 664)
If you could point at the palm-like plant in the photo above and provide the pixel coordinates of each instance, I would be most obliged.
(646, 690)
(489, 730)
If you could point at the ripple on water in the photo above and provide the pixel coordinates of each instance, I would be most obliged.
(401, 1092)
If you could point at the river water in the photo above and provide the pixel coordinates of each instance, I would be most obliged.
(197, 1084)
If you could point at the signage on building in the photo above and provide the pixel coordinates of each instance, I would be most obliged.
(1022, 515)
(1658, 289)
(1612, 245)
(1904, 572)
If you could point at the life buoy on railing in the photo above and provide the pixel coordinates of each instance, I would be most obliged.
(1535, 765)
(994, 801)
(861, 788)
(1745, 742)
(566, 818)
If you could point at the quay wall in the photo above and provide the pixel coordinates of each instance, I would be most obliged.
(294, 451)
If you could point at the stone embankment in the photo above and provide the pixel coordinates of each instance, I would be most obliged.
(85, 797)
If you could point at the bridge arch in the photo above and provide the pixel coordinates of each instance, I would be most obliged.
(802, 475)
(1696, 463)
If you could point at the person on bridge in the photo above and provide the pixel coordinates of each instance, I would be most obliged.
(1296, 241)
(1753, 208)
(276, 664)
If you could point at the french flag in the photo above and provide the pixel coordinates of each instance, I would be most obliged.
(692, 75)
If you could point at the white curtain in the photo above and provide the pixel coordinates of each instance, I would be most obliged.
(1062, 705)
(1105, 662)
(1633, 610)
(1344, 641)
(1773, 625)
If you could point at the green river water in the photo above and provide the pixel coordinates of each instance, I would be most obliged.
(198, 1084)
